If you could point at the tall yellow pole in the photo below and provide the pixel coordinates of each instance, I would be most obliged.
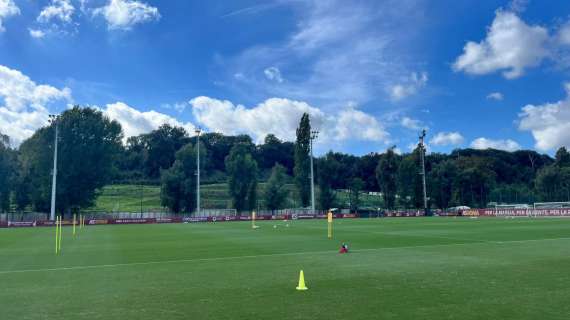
(330, 221)
(253, 219)
(56, 234)
(74, 221)
(60, 233)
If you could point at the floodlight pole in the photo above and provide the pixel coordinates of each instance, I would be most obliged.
(423, 173)
(198, 131)
(53, 119)
(314, 135)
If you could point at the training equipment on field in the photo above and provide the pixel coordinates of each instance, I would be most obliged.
(56, 234)
(302, 286)
(74, 221)
(329, 222)
(253, 226)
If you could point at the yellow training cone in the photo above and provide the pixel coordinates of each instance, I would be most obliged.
(301, 286)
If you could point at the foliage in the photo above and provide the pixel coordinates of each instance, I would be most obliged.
(355, 187)
(386, 174)
(87, 149)
(302, 160)
(242, 181)
(275, 192)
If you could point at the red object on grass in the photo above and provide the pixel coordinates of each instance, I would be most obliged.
(343, 250)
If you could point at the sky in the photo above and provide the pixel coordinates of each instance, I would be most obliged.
(371, 74)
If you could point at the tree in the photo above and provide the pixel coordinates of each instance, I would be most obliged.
(562, 157)
(178, 183)
(274, 151)
(242, 171)
(275, 192)
(88, 146)
(410, 181)
(356, 185)
(7, 170)
(161, 146)
(302, 160)
(441, 179)
(386, 174)
(327, 169)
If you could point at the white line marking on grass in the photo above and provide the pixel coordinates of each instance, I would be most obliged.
(267, 256)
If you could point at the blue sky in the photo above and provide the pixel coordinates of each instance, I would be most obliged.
(372, 74)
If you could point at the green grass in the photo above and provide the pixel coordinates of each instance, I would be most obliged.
(127, 198)
(407, 268)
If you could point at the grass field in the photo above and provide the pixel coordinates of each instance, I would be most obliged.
(133, 198)
(407, 268)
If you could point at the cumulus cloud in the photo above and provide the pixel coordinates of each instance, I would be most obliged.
(7, 9)
(412, 124)
(409, 87)
(484, 143)
(447, 139)
(273, 74)
(37, 33)
(549, 123)
(61, 10)
(125, 14)
(281, 117)
(511, 46)
(24, 107)
(135, 122)
(495, 96)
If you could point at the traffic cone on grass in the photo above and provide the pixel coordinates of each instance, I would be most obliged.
(302, 286)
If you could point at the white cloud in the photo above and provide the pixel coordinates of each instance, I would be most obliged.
(7, 9)
(495, 96)
(343, 51)
(273, 74)
(61, 10)
(409, 87)
(549, 123)
(412, 124)
(24, 107)
(124, 14)
(511, 46)
(281, 117)
(484, 143)
(37, 33)
(135, 122)
(447, 138)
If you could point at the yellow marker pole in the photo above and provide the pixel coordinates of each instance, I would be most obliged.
(74, 221)
(56, 234)
(253, 219)
(330, 221)
(60, 233)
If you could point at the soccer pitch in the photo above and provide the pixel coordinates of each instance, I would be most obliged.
(399, 268)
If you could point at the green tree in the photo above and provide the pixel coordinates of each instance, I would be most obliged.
(562, 157)
(302, 160)
(7, 169)
(161, 146)
(355, 187)
(88, 146)
(178, 183)
(386, 174)
(242, 172)
(441, 179)
(553, 183)
(328, 168)
(276, 192)
(410, 180)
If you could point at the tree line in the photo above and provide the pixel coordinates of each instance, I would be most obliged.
(92, 154)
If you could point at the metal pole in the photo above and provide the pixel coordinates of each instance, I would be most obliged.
(54, 173)
(198, 171)
(313, 137)
(422, 156)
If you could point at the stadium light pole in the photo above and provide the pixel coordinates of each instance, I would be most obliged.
(314, 135)
(198, 131)
(54, 119)
(423, 173)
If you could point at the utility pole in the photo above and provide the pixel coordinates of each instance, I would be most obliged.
(198, 131)
(314, 135)
(423, 172)
(53, 120)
